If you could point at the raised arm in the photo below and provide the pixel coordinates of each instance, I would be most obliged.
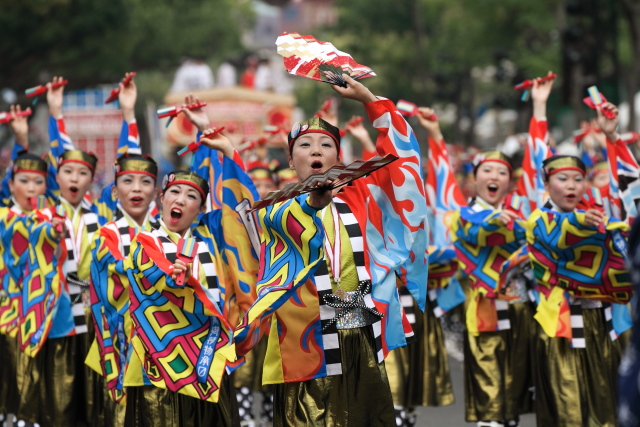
(20, 127)
(129, 139)
(58, 137)
(531, 184)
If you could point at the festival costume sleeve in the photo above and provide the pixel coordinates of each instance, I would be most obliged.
(109, 306)
(14, 256)
(624, 181)
(482, 245)
(366, 154)
(207, 163)
(41, 282)
(129, 141)
(569, 256)
(444, 199)
(291, 249)
(396, 208)
(235, 231)
(391, 209)
(5, 193)
(177, 327)
(531, 184)
(59, 143)
(7, 217)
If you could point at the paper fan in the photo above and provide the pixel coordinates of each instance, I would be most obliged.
(339, 175)
(314, 59)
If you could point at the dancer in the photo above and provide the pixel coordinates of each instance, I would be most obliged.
(182, 332)
(576, 350)
(327, 307)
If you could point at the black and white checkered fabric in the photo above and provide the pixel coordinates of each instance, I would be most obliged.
(406, 301)
(502, 307)
(502, 310)
(608, 317)
(323, 285)
(432, 294)
(576, 309)
(577, 326)
(126, 233)
(203, 259)
(90, 220)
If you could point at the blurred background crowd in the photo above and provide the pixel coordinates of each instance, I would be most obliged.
(461, 58)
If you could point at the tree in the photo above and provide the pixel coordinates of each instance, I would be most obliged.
(93, 41)
(425, 50)
(631, 9)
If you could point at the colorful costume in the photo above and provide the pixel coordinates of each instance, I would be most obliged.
(419, 373)
(10, 254)
(53, 319)
(497, 363)
(327, 337)
(110, 298)
(182, 338)
(576, 350)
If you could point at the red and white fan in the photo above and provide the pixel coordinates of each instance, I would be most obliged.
(314, 59)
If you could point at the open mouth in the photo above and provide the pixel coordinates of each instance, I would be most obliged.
(73, 190)
(492, 189)
(571, 197)
(136, 200)
(316, 166)
(176, 214)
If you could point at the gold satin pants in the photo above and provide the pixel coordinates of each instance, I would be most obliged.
(577, 386)
(359, 397)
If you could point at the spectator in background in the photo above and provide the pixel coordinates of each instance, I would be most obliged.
(248, 76)
(193, 74)
(263, 79)
(226, 74)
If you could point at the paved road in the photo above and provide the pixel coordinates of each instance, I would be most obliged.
(453, 415)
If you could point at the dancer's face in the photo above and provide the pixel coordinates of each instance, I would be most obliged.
(181, 204)
(313, 153)
(74, 180)
(136, 192)
(27, 185)
(492, 182)
(566, 189)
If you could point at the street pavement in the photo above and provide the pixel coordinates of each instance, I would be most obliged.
(444, 416)
(453, 415)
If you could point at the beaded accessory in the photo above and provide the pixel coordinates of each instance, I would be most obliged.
(351, 311)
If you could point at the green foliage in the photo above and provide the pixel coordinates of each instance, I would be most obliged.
(424, 50)
(95, 41)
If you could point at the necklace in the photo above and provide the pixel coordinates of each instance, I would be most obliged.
(333, 252)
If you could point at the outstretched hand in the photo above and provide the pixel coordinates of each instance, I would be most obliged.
(355, 90)
(360, 133)
(432, 126)
(608, 125)
(539, 95)
(55, 97)
(180, 267)
(593, 217)
(59, 224)
(321, 197)
(506, 216)
(20, 126)
(197, 116)
(217, 141)
(127, 99)
(541, 90)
